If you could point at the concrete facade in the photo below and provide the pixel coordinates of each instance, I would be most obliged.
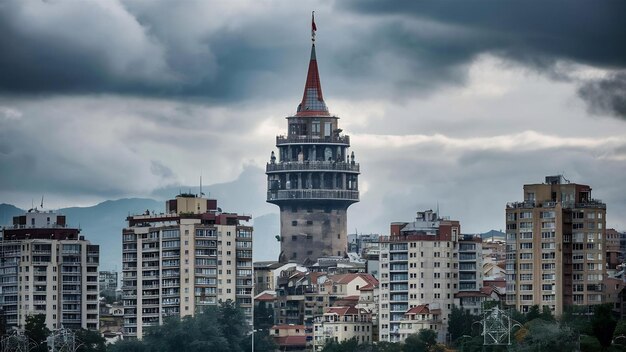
(47, 268)
(418, 267)
(555, 247)
(179, 262)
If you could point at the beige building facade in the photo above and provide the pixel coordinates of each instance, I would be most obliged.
(47, 268)
(178, 262)
(555, 247)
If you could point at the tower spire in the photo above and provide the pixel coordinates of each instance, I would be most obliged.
(312, 101)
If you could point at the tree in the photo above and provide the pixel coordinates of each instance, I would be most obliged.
(619, 335)
(456, 323)
(351, 345)
(90, 341)
(423, 341)
(127, 346)
(603, 324)
(543, 335)
(263, 317)
(533, 313)
(546, 314)
(37, 331)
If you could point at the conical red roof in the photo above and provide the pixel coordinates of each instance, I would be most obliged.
(312, 101)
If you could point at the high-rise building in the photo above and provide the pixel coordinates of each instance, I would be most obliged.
(313, 180)
(418, 268)
(108, 283)
(178, 262)
(47, 268)
(555, 246)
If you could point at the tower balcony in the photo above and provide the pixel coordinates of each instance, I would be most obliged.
(313, 194)
(334, 140)
(329, 166)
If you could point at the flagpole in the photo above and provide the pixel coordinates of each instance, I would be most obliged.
(313, 27)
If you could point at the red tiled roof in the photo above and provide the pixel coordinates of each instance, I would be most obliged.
(471, 294)
(368, 287)
(347, 278)
(421, 309)
(500, 283)
(290, 341)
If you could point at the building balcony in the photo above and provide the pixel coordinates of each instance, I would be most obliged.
(313, 194)
(520, 205)
(335, 140)
(312, 166)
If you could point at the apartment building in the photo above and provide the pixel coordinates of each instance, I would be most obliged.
(108, 283)
(342, 323)
(555, 246)
(418, 266)
(47, 268)
(178, 262)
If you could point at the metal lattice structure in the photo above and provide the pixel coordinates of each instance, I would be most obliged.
(16, 342)
(497, 327)
(62, 340)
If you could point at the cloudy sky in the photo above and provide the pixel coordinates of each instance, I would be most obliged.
(450, 103)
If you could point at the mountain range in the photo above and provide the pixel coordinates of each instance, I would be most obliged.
(103, 223)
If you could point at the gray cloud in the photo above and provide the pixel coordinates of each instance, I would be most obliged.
(219, 53)
(606, 95)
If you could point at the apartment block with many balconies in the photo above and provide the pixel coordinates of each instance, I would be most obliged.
(178, 262)
(555, 247)
(47, 268)
(418, 267)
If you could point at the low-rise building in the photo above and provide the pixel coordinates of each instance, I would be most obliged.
(289, 337)
(342, 323)
(424, 316)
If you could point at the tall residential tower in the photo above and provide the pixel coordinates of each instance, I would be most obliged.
(313, 180)
(47, 268)
(178, 262)
(555, 247)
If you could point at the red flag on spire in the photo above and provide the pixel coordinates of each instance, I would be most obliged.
(313, 26)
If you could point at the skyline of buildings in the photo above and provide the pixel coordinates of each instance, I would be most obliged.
(193, 255)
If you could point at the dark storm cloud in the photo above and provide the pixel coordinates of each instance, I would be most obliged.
(94, 47)
(534, 32)
(381, 48)
(606, 95)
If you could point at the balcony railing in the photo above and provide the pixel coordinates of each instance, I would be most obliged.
(313, 166)
(312, 140)
(313, 194)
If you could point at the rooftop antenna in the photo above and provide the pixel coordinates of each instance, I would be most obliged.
(42, 202)
(439, 216)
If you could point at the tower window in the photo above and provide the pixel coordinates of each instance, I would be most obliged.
(294, 238)
(309, 222)
(294, 223)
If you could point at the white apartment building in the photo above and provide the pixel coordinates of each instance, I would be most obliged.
(418, 266)
(341, 324)
(178, 262)
(47, 268)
